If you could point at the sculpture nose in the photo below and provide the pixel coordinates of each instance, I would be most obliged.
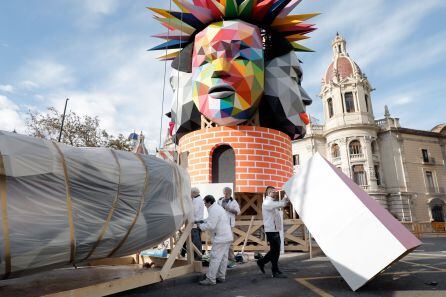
(221, 68)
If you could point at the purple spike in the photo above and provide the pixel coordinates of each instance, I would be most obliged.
(289, 8)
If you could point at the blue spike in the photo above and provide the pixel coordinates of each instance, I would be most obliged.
(188, 18)
(275, 10)
(169, 45)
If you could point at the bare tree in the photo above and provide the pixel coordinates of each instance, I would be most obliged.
(78, 131)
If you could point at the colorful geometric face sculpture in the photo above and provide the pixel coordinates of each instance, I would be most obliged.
(228, 71)
(237, 56)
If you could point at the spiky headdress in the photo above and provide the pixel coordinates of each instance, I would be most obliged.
(272, 16)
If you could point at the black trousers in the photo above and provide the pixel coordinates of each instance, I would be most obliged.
(273, 255)
(196, 240)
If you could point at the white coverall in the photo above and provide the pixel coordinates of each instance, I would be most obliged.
(218, 225)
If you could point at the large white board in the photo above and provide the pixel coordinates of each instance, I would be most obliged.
(359, 236)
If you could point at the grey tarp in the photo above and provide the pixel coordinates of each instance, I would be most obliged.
(62, 205)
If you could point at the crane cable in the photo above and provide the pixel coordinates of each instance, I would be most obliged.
(164, 80)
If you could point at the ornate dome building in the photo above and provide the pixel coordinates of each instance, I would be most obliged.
(403, 169)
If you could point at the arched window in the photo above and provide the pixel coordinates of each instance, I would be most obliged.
(330, 107)
(223, 165)
(335, 152)
(373, 144)
(359, 175)
(355, 147)
(437, 208)
(437, 212)
(349, 103)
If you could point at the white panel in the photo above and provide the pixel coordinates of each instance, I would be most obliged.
(355, 240)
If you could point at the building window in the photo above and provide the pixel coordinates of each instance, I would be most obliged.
(355, 147)
(335, 151)
(367, 103)
(373, 145)
(223, 165)
(430, 182)
(330, 107)
(349, 103)
(296, 160)
(378, 179)
(425, 154)
(437, 213)
(359, 175)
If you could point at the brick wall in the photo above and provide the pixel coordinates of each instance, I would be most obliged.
(263, 156)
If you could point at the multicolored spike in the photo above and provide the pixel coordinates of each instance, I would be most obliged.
(198, 14)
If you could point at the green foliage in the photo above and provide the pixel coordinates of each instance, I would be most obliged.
(78, 131)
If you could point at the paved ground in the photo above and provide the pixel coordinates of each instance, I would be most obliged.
(423, 273)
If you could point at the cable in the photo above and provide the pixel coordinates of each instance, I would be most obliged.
(164, 80)
(178, 84)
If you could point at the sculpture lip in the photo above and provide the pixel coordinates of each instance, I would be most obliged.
(221, 91)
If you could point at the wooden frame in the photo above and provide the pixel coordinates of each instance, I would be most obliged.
(126, 275)
(295, 236)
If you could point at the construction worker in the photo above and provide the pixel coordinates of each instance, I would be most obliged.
(232, 209)
(198, 205)
(218, 225)
(273, 224)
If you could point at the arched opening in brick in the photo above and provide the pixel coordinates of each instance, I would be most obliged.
(223, 164)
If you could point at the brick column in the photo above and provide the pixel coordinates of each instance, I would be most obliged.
(263, 156)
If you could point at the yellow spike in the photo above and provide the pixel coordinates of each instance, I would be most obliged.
(170, 54)
(296, 37)
(160, 11)
(300, 47)
(299, 17)
(180, 6)
(286, 23)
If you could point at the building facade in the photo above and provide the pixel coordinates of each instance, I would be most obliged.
(403, 169)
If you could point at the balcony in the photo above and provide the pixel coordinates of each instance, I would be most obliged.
(359, 156)
(381, 123)
(336, 160)
(429, 161)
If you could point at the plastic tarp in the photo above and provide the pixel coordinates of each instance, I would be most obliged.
(62, 205)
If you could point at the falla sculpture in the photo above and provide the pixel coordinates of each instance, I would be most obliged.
(233, 59)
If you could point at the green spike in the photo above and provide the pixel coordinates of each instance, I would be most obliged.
(300, 48)
(231, 9)
(245, 8)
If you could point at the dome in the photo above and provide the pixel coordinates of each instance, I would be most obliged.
(133, 136)
(342, 64)
(440, 128)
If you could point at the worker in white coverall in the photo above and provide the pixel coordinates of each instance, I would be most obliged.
(232, 209)
(218, 225)
(273, 223)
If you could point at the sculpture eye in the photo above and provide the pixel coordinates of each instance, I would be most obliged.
(241, 58)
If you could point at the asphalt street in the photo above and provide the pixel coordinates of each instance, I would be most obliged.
(422, 273)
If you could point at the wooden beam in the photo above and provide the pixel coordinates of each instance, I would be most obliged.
(165, 271)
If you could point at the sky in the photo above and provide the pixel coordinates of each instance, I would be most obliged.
(95, 53)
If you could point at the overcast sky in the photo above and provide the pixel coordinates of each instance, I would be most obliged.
(94, 52)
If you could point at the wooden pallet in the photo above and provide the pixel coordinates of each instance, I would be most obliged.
(110, 277)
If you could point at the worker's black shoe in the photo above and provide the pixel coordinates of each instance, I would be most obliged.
(220, 280)
(261, 266)
(279, 275)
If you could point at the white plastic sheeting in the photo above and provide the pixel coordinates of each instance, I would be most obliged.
(62, 205)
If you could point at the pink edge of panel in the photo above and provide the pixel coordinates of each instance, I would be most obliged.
(407, 239)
